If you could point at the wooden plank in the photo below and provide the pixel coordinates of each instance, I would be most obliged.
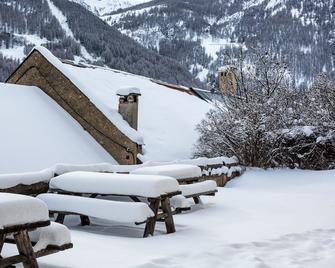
(32, 189)
(169, 223)
(210, 193)
(21, 227)
(135, 198)
(52, 249)
(25, 249)
(9, 261)
(113, 194)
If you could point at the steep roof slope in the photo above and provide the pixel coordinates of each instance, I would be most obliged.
(167, 117)
(37, 133)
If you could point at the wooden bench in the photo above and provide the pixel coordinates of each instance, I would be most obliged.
(19, 216)
(188, 176)
(85, 207)
(195, 190)
(156, 191)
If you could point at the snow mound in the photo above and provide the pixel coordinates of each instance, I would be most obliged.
(20, 209)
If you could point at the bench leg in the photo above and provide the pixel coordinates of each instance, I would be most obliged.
(196, 199)
(60, 218)
(25, 249)
(169, 223)
(2, 241)
(150, 226)
(85, 220)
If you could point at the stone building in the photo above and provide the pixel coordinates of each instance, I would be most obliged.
(227, 80)
(122, 121)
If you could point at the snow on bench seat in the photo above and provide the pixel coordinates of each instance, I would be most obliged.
(115, 184)
(98, 167)
(197, 188)
(53, 235)
(98, 208)
(20, 209)
(179, 201)
(27, 178)
(178, 171)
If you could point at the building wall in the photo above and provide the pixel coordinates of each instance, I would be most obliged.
(227, 82)
(37, 71)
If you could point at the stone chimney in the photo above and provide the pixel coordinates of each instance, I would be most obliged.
(128, 105)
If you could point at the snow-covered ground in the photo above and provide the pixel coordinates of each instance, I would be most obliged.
(276, 218)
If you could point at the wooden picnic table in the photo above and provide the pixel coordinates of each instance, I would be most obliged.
(154, 190)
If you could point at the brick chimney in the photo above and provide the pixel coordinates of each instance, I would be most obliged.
(128, 105)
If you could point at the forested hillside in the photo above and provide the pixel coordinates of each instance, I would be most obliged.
(72, 32)
(200, 33)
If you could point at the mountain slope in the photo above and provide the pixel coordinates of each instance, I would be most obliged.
(72, 32)
(199, 33)
(103, 7)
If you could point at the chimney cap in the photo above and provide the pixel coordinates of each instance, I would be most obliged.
(128, 91)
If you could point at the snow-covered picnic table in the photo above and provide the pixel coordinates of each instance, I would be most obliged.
(187, 175)
(21, 214)
(115, 184)
(177, 171)
(75, 193)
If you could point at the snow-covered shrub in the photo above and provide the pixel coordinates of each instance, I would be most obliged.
(310, 143)
(268, 124)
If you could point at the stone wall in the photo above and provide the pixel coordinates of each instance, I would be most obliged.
(37, 71)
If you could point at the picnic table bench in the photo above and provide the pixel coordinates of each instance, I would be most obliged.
(76, 192)
(20, 217)
(188, 176)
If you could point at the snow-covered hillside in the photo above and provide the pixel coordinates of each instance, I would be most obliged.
(200, 33)
(72, 32)
(103, 7)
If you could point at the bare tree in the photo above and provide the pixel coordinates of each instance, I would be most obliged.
(268, 123)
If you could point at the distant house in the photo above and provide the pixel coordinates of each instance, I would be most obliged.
(167, 116)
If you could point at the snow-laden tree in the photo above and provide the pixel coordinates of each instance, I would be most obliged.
(268, 123)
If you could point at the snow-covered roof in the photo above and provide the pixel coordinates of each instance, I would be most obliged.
(167, 117)
(128, 91)
(37, 133)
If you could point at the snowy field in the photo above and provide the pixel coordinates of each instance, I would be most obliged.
(281, 218)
